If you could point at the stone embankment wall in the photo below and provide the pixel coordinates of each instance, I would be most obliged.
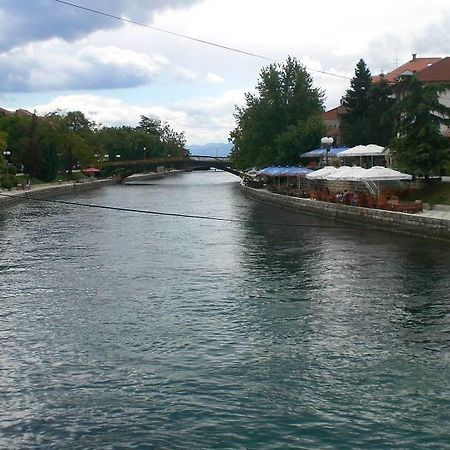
(12, 197)
(412, 224)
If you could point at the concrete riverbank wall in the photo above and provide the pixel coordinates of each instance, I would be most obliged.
(11, 197)
(412, 224)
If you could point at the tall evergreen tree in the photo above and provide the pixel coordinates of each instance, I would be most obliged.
(356, 99)
(366, 103)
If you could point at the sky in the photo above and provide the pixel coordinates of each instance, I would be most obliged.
(55, 56)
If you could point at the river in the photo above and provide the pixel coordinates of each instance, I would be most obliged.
(128, 330)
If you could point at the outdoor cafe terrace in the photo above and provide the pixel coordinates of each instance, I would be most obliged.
(377, 187)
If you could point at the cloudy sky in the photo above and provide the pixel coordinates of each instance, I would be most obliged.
(54, 55)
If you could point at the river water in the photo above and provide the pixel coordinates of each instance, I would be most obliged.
(128, 330)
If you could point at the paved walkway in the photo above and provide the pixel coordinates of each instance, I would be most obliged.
(40, 186)
(436, 213)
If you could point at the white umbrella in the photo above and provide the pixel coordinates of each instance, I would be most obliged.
(372, 177)
(322, 173)
(363, 150)
(347, 173)
(379, 173)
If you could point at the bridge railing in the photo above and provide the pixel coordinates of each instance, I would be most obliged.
(162, 160)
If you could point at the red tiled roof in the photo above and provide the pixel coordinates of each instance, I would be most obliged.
(330, 114)
(414, 66)
(439, 72)
(333, 114)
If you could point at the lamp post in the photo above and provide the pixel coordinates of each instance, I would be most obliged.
(7, 154)
(327, 142)
(144, 150)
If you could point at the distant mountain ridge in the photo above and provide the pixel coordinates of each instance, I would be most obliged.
(212, 149)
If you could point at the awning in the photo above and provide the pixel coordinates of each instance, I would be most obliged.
(295, 172)
(91, 170)
(321, 174)
(270, 171)
(321, 152)
(379, 173)
(284, 171)
(347, 173)
(363, 150)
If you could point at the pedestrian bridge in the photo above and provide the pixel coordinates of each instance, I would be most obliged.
(124, 169)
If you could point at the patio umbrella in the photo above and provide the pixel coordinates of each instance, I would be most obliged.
(295, 171)
(363, 150)
(321, 152)
(321, 174)
(347, 173)
(376, 174)
(91, 170)
(379, 173)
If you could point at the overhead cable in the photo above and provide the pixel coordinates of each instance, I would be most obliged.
(201, 41)
(201, 217)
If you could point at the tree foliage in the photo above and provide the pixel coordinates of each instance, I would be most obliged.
(280, 119)
(60, 142)
(366, 104)
(420, 148)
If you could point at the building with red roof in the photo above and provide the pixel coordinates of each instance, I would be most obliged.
(427, 70)
(333, 121)
(415, 66)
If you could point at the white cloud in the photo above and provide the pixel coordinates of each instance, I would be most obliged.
(56, 65)
(203, 119)
(325, 36)
(214, 78)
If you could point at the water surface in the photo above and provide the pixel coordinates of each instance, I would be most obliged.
(128, 330)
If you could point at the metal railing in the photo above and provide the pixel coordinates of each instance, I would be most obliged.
(371, 186)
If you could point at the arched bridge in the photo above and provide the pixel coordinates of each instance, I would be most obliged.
(125, 168)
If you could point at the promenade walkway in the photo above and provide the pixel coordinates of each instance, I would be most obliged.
(438, 212)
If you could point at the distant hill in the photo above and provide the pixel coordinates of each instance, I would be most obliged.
(213, 149)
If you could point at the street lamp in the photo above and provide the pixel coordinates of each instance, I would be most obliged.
(7, 154)
(144, 150)
(327, 142)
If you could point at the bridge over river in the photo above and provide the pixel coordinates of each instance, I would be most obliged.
(125, 168)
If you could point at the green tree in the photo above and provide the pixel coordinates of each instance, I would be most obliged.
(16, 129)
(420, 148)
(271, 127)
(381, 100)
(151, 125)
(50, 161)
(32, 157)
(3, 140)
(366, 103)
(303, 135)
(164, 141)
(74, 136)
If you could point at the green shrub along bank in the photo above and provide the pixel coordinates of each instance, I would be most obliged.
(8, 181)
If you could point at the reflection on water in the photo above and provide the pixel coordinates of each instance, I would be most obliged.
(132, 330)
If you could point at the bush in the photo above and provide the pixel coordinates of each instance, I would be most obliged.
(8, 181)
(446, 171)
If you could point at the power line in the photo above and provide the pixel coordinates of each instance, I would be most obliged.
(173, 33)
(201, 217)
